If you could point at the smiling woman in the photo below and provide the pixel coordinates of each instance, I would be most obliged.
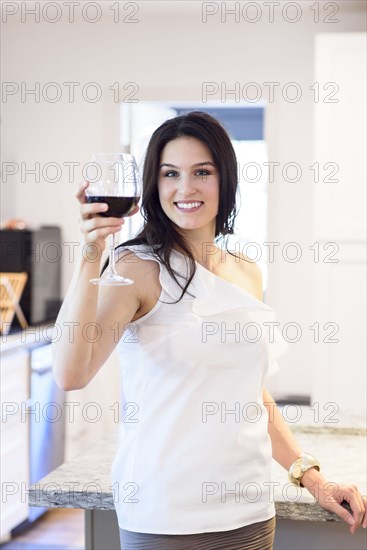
(189, 158)
(189, 194)
(195, 348)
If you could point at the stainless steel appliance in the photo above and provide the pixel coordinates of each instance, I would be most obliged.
(46, 414)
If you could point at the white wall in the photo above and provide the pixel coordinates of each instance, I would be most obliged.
(169, 55)
(340, 219)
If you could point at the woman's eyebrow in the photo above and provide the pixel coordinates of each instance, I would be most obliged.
(167, 164)
(204, 163)
(197, 164)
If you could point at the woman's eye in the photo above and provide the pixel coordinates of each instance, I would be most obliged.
(203, 172)
(170, 174)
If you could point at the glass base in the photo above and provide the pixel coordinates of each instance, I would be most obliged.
(111, 280)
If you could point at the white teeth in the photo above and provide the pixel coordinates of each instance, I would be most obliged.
(188, 205)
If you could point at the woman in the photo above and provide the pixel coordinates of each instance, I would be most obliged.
(193, 466)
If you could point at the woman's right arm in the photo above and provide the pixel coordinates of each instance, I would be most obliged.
(92, 318)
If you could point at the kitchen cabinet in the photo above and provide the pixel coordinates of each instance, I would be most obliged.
(14, 459)
(87, 415)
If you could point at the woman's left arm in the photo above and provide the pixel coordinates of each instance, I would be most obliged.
(286, 450)
(329, 495)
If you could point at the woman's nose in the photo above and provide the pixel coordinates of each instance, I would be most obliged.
(187, 184)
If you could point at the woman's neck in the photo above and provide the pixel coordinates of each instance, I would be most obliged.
(210, 256)
(203, 248)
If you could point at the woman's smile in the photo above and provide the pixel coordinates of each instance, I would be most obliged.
(188, 206)
(188, 184)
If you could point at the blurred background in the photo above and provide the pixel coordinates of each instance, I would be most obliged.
(287, 80)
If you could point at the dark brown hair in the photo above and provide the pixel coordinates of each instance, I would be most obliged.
(159, 232)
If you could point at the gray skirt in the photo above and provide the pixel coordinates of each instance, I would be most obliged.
(257, 536)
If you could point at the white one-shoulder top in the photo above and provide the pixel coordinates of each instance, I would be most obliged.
(194, 453)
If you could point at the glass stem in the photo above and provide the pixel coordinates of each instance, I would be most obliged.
(111, 264)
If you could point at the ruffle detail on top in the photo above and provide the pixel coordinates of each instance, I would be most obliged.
(217, 295)
(214, 295)
(211, 296)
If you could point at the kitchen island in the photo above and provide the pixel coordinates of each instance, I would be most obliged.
(302, 524)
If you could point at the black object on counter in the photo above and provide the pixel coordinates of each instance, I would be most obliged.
(346, 505)
(39, 254)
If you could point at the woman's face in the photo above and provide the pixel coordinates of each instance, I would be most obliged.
(188, 184)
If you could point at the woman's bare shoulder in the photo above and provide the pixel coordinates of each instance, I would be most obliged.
(248, 271)
(145, 274)
(129, 264)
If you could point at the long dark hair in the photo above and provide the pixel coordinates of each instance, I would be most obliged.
(159, 232)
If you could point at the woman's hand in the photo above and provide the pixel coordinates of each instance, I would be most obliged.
(330, 496)
(96, 228)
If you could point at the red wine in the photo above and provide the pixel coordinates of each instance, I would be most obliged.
(118, 207)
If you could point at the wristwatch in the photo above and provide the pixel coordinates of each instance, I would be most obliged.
(300, 466)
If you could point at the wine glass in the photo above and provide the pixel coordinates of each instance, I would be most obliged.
(113, 179)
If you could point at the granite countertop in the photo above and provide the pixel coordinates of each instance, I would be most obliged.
(28, 338)
(84, 482)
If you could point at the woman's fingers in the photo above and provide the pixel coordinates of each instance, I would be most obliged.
(358, 507)
(352, 516)
(98, 222)
(97, 228)
(98, 235)
(89, 209)
(94, 208)
(80, 192)
(364, 521)
(353, 510)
